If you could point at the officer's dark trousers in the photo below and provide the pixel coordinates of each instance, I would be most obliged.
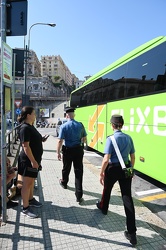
(73, 155)
(113, 174)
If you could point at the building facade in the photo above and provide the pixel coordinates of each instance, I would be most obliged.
(40, 77)
(54, 66)
(33, 65)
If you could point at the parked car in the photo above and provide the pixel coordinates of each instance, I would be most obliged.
(57, 128)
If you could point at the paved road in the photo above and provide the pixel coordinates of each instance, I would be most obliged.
(152, 193)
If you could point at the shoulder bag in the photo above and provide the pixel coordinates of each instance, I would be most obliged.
(129, 172)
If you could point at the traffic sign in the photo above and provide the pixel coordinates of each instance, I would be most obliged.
(17, 18)
(18, 111)
(18, 103)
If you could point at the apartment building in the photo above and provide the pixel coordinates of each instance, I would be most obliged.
(40, 76)
(54, 66)
(33, 65)
(78, 83)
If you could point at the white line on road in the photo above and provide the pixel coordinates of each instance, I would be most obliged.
(152, 191)
(92, 154)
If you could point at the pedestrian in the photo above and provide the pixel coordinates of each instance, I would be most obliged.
(10, 176)
(111, 171)
(74, 136)
(29, 159)
(59, 122)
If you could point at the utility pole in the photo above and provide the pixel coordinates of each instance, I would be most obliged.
(3, 116)
(25, 74)
(13, 23)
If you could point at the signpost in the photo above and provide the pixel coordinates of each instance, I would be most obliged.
(7, 63)
(18, 103)
(18, 111)
(3, 118)
(16, 23)
(13, 22)
(19, 63)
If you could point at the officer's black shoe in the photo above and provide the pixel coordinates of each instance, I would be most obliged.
(62, 184)
(131, 237)
(79, 200)
(98, 206)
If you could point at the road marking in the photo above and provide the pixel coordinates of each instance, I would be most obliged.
(152, 191)
(91, 154)
(153, 197)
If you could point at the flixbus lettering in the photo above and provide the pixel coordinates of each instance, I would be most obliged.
(157, 126)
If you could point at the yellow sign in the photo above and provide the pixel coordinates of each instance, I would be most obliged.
(7, 99)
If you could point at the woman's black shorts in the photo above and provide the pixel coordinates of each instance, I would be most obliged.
(25, 169)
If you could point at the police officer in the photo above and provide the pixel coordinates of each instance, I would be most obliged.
(111, 171)
(74, 136)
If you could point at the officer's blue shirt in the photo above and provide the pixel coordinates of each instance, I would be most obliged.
(125, 144)
(72, 132)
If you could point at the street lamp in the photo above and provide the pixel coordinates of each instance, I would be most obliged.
(27, 52)
(49, 24)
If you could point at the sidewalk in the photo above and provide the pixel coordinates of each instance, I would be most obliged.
(64, 224)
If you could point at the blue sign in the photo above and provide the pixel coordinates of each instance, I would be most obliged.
(18, 111)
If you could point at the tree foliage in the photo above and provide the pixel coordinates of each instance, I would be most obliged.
(57, 78)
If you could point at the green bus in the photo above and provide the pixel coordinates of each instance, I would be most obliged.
(135, 87)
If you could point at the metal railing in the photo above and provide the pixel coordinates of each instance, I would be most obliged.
(11, 140)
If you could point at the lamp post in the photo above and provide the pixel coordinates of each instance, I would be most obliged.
(49, 24)
(27, 52)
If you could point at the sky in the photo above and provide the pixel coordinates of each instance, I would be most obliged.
(91, 34)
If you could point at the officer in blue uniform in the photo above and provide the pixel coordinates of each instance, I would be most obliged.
(74, 136)
(111, 171)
